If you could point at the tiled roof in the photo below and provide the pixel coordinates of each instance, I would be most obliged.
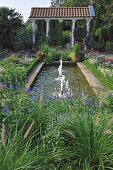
(61, 12)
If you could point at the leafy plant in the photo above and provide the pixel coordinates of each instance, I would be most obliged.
(106, 81)
(13, 59)
(13, 74)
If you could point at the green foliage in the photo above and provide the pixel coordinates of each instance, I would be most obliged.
(109, 46)
(63, 133)
(12, 59)
(12, 74)
(42, 39)
(23, 36)
(106, 81)
(52, 54)
(85, 138)
(66, 36)
(100, 46)
(59, 34)
(10, 22)
(75, 53)
(72, 56)
(76, 49)
(17, 154)
(64, 55)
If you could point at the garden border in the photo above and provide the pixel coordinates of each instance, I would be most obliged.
(95, 84)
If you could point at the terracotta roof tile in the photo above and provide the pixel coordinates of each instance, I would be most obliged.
(61, 12)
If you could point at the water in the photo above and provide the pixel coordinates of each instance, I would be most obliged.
(50, 84)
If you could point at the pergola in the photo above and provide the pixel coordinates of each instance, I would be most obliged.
(61, 14)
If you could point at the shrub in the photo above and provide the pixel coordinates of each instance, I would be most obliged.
(13, 59)
(72, 56)
(66, 35)
(99, 46)
(13, 74)
(109, 46)
(76, 49)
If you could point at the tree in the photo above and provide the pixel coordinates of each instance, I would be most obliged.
(57, 3)
(23, 36)
(71, 3)
(59, 34)
(10, 22)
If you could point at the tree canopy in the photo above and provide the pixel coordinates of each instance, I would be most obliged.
(10, 22)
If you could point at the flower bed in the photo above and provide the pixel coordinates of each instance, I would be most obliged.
(105, 75)
(75, 134)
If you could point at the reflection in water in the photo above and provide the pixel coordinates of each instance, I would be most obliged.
(74, 84)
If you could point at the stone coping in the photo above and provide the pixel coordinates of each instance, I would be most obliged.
(34, 73)
(63, 63)
(95, 84)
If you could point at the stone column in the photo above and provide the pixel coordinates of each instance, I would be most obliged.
(72, 32)
(88, 26)
(33, 29)
(47, 28)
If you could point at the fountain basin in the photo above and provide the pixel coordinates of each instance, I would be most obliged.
(49, 81)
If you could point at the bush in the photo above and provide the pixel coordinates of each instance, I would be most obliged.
(76, 49)
(75, 53)
(109, 46)
(13, 59)
(66, 35)
(99, 46)
(13, 75)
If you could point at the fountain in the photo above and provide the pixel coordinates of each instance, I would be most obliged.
(62, 82)
(67, 92)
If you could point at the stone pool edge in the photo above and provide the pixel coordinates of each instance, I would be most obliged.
(94, 83)
(33, 74)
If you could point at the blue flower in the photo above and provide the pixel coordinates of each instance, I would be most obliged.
(12, 87)
(4, 86)
(5, 109)
(89, 102)
(26, 90)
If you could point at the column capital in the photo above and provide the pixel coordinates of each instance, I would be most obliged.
(33, 20)
(74, 20)
(88, 20)
(60, 20)
(47, 20)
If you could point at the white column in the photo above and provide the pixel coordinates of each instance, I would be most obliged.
(47, 28)
(88, 26)
(33, 29)
(72, 32)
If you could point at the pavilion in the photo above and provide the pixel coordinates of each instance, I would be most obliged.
(61, 14)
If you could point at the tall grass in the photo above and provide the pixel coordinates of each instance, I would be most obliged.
(17, 154)
(88, 140)
(57, 135)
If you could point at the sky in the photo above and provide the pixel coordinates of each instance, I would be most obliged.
(24, 6)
